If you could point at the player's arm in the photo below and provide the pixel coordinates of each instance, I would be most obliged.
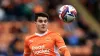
(27, 51)
(65, 51)
(61, 45)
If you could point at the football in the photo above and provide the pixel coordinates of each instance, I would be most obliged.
(67, 13)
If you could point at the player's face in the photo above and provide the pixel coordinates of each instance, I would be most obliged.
(42, 24)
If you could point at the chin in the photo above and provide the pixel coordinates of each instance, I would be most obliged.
(43, 30)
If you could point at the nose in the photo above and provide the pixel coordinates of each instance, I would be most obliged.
(43, 23)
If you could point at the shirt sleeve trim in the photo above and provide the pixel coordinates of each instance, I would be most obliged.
(62, 47)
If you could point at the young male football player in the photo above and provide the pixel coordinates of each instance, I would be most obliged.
(44, 42)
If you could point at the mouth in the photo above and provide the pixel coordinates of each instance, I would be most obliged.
(43, 27)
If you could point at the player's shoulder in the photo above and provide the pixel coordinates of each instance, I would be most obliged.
(30, 36)
(54, 33)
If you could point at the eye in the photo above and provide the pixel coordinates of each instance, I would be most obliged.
(45, 21)
(40, 21)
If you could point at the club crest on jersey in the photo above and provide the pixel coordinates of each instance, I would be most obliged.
(48, 38)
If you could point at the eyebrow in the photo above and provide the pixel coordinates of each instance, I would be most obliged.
(42, 20)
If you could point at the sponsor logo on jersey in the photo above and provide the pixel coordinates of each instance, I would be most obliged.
(40, 50)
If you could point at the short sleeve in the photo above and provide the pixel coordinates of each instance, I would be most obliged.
(59, 41)
(26, 47)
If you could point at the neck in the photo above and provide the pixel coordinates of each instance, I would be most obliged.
(41, 32)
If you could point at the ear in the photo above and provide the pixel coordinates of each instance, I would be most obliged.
(35, 22)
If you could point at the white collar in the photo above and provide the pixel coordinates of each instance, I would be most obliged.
(41, 34)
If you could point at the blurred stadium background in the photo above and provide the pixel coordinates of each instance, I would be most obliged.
(81, 36)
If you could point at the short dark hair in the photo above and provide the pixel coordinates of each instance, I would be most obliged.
(41, 14)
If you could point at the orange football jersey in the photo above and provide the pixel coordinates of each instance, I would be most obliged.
(46, 44)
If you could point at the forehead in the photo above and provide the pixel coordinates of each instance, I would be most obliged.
(42, 18)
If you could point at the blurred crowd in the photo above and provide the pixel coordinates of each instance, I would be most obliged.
(17, 22)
